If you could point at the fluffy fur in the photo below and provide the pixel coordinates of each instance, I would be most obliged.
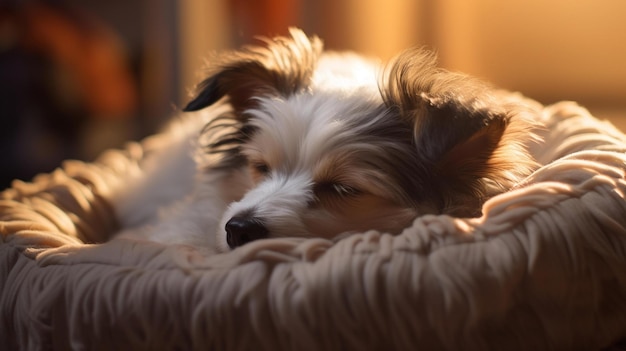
(294, 141)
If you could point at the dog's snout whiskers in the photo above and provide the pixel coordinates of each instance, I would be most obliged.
(242, 230)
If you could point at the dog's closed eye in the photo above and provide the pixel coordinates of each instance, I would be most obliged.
(336, 189)
(260, 167)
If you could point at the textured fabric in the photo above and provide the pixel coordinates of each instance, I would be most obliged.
(544, 268)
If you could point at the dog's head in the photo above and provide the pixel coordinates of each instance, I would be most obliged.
(326, 147)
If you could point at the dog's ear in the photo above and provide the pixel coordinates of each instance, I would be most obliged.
(282, 67)
(468, 140)
(460, 141)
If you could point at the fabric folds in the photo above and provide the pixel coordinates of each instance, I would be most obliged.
(542, 269)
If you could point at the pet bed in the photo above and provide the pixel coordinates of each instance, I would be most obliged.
(544, 268)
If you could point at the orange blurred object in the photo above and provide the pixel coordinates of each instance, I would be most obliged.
(90, 52)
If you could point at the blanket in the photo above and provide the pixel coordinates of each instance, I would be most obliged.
(544, 268)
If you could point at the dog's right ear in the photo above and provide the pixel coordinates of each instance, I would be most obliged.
(281, 68)
(468, 139)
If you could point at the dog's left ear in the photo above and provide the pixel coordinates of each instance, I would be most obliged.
(461, 134)
(284, 66)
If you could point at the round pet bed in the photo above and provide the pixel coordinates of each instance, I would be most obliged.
(543, 269)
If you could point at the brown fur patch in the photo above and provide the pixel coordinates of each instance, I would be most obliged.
(473, 143)
(283, 67)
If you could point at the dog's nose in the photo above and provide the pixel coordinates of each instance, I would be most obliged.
(242, 230)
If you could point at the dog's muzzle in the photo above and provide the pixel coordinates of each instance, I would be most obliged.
(242, 230)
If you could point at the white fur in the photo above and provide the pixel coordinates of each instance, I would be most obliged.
(171, 199)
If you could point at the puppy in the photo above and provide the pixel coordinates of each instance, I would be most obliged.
(293, 141)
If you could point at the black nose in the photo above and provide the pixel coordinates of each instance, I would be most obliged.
(242, 230)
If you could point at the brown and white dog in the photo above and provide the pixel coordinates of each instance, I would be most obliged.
(294, 141)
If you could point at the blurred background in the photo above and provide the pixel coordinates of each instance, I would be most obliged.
(80, 76)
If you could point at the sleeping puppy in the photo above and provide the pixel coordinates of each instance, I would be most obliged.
(294, 141)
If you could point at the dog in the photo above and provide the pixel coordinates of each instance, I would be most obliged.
(288, 140)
